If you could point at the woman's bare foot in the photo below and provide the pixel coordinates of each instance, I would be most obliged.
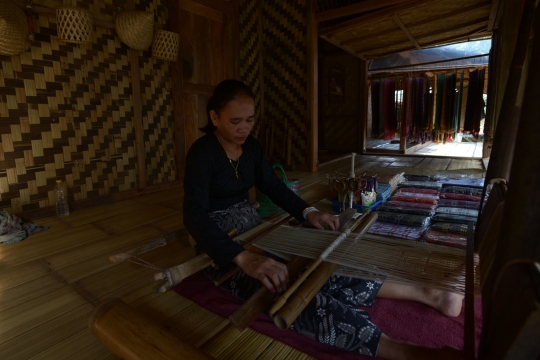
(446, 302)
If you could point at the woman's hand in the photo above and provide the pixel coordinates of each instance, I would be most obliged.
(318, 219)
(271, 273)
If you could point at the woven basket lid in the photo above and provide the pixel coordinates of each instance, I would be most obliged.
(135, 28)
(165, 45)
(74, 24)
(13, 29)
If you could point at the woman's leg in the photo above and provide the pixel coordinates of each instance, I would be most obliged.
(446, 302)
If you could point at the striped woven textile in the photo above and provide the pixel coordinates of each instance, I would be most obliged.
(396, 230)
(447, 227)
(403, 219)
(418, 195)
(407, 210)
(460, 204)
(414, 199)
(453, 196)
(447, 239)
(422, 184)
(417, 191)
(412, 205)
(457, 211)
(384, 191)
(453, 218)
(462, 190)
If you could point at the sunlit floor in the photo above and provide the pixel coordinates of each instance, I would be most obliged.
(454, 149)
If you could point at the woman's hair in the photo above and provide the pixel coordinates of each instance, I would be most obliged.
(224, 92)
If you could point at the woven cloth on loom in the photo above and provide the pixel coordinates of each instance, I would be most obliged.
(448, 239)
(417, 191)
(462, 190)
(403, 219)
(396, 230)
(414, 199)
(453, 218)
(407, 210)
(453, 196)
(460, 204)
(457, 211)
(421, 184)
(447, 227)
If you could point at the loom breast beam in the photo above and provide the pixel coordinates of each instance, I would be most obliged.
(283, 298)
(175, 274)
(132, 336)
(263, 298)
(290, 311)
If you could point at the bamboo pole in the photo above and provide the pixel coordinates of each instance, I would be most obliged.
(132, 336)
(287, 314)
(283, 298)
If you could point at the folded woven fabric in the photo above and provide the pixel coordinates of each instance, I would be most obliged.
(422, 178)
(417, 190)
(414, 199)
(421, 184)
(407, 210)
(460, 204)
(403, 219)
(453, 196)
(384, 191)
(419, 195)
(453, 218)
(395, 230)
(447, 227)
(447, 239)
(469, 182)
(412, 205)
(462, 190)
(456, 211)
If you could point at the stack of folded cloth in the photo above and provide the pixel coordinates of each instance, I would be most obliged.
(407, 213)
(422, 184)
(383, 192)
(458, 206)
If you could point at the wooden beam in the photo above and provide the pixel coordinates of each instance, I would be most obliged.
(431, 62)
(397, 20)
(313, 86)
(443, 31)
(372, 16)
(177, 84)
(350, 51)
(471, 35)
(431, 20)
(357, 8)
(493, 14)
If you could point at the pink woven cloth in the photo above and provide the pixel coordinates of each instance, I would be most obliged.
(399, 319)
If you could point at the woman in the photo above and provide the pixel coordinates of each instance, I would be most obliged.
(221, 167)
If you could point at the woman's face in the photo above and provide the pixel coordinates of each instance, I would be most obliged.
(235, 121)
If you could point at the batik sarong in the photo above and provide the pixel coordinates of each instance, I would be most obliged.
(447, 239)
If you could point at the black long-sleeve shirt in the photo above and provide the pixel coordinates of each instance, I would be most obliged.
(210, 184)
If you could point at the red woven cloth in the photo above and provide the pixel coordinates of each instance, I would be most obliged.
(399, 319)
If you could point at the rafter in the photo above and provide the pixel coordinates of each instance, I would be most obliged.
(397, 20)
(357, 8)
(493, 14)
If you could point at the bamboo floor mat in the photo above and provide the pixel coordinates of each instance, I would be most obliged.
(50, 282)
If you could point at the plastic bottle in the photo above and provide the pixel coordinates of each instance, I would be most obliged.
(62, 208)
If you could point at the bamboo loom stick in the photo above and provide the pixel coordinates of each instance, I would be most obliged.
(283, 298)
(132, 336)
(154, 244)
(175, 274)
(259, 301)
(288, 313)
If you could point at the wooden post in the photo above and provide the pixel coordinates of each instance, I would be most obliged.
(313, 86)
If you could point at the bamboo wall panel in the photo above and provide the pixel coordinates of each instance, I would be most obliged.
(285, 72)
(156, 99)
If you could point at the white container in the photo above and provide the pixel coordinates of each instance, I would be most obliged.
(62, 208)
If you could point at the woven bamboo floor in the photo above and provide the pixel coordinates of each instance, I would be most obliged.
(51, 281)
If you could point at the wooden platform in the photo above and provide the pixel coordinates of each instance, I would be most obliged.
(51, 281)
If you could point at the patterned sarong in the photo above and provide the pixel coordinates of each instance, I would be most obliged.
(403, 219)
(395, 230)
(417, 191)
(448, 239)
(460, 204)
(453, 218)
(447, 227)
(457, 211)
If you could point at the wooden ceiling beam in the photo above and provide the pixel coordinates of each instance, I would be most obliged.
(493, 14)
(433, 19)
(357, 8)
(470, 36)
(373, 16)
(331, 41)
(438, 32)
(397, 20)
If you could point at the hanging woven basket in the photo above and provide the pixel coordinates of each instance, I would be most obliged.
(14, 29)
(74, 25)
(165, 45)
(135, 28)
